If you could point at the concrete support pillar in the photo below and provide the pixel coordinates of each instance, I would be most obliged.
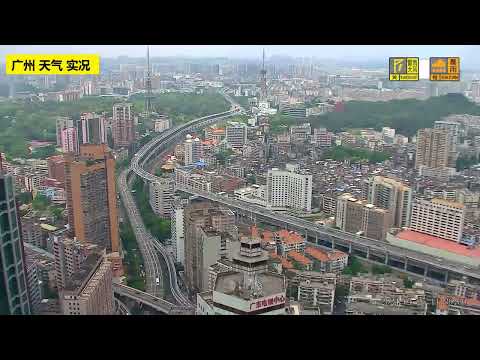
(368, 253)
(350, 248)
(333, 243)
(446, 277)
(405, 265)
(425, 272)
(386, 258)
(316, 239)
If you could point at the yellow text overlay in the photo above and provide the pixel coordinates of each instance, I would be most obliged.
(56, 64)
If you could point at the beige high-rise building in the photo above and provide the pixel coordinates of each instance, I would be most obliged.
(433, 146)
(206, 225)
(90, 290)
(69, 255)
(358, 216)
(92, 197)
(161, 196)
(439, 218)
(123, 125)
(390, 194)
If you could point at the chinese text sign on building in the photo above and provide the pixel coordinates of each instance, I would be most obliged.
(445, 69)
(404, 68)
(75, 64)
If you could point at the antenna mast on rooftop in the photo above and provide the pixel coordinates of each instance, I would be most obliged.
(148, 86)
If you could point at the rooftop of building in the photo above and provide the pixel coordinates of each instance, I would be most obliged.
(378, 309)
(290, 237)
(323, 255)
(317, 283)
(232, 283)
(438, 243)
(444, 300)
(448, 203)
(391, 181)
(207, 296)
(296, 256)
(76, 282)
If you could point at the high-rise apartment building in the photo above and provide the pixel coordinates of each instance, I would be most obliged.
(193, 150)
(433, 146)
(70, 140)
(69, 256)
(123, 125)
(204, 242)
(236, 134)
(391, 195)
(453, 129)
(438, 217)
(34, 284)
(13, 280)
(161, 124)
(161, 196)
(300, 133)
(289, 188)
(31, 231)
(92, 129)
(178, 229)
(475, 90)
(91, 196)
(62, 122)
(357, 216)
(56, 168)
(90, 290)
(321, 137)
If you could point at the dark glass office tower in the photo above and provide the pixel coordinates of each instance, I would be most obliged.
(13, 285)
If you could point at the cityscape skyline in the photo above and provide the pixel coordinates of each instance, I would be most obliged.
(366, 53)
(225, 187)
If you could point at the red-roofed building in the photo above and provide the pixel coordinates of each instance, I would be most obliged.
(327, 261)
(288, 241)
(457, 305)
(300, 259)
(436, 246)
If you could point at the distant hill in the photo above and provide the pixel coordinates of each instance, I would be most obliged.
(406, 116)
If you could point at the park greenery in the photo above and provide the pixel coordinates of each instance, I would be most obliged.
(465, 161)
(340, 153)
(408, 283)
(354, 267)
(23, 120)
(242, 101)
(223, 156)
(159, 228)
(406, 116)
(44, 152)
(43, 203)
(132, 260)
(381, 269)
(183, 107)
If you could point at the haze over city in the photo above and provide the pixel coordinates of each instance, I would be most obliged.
(202, 180)
(367, 53)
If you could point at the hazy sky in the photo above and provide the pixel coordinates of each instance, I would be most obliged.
(470, 55)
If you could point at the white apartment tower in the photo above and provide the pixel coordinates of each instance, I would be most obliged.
(236, 134)
(289, 188)
(161, 196)
(193, 150)
(439, 218)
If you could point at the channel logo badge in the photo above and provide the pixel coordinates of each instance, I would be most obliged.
(444, 69)
(404, 68)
